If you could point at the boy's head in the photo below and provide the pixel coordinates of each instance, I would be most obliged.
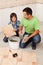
(13, 17)
(27, 12)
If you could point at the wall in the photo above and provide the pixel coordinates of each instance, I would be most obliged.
(13, 3)
(39, 11)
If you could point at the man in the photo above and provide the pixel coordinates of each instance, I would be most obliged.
(32, 28)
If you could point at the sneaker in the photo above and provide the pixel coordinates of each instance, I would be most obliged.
(5, 39)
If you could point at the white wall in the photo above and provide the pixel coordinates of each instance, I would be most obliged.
(5, 13)
(39, 11)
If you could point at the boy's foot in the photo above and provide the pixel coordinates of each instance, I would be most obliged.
(5, 39)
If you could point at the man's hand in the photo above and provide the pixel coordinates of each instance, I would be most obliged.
(20, 35)
(20, 32)
(26, 39)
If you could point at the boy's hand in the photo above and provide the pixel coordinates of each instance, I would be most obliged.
(14, 29)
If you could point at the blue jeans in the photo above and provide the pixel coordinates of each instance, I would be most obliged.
(36, 39)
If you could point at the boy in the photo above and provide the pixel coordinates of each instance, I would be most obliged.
(15, 23)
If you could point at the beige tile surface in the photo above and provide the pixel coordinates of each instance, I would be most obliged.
(4, 51)
(19, 52)
(34, 63)
(9, 61)
(1, 58)
(24, 63)
(29, 57)
(23, 58)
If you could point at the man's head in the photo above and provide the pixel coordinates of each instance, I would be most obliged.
(27, 12)
(13, 17)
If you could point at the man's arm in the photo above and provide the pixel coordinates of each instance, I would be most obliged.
(20, 30)
(33, 34)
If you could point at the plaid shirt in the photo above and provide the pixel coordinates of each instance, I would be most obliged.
(15, 25)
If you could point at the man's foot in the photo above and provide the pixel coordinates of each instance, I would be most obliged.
(34, 47)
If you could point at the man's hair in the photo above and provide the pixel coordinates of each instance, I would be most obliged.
(28, 10)
(13, 14)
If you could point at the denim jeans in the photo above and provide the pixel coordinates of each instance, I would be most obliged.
(36, 39)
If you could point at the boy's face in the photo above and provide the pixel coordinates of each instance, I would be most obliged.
(13, 19)
(25, 15)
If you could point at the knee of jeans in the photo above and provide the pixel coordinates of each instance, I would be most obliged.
(22, 45)
(37, 40)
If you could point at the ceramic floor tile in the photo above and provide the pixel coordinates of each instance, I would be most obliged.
(4, 51)
(34, 63)
(9, 61)
(1, 58)
(29, 56)
(19, 52)
(24, 63)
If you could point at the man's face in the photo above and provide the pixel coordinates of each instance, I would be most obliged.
(25, 15)
(13, 19)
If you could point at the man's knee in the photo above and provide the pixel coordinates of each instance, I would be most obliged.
(21, 45)
(37, 39)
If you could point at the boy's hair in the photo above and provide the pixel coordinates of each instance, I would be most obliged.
(13, 14)
(28, 10)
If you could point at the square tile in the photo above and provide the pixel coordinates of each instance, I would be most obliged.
(24, 63)
(1, 58)
(34, 63)
(9, 61)
(4, 51)
(19, 52)
(29, 56)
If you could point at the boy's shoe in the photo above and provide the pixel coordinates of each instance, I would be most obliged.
(5, 39)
